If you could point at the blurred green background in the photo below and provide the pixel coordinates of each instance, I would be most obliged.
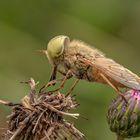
(113, 26)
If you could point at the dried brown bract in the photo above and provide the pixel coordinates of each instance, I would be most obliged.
(41, 117)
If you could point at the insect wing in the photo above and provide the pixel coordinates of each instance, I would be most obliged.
(117, 72)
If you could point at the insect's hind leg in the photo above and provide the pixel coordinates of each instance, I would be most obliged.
(113, 86)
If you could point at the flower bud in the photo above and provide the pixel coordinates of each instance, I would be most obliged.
(124, 117)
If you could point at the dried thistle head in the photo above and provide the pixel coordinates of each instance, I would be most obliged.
(41, 117)
(124, 119)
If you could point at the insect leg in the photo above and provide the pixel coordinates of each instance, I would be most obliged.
(49, 84)
(52, 80)
(72, 88)
(113, 86)
(53, 74)
(76, 82)
(68, 74)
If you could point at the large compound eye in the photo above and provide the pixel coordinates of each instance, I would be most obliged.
(56, 46)
(64, 43)
(59, 50)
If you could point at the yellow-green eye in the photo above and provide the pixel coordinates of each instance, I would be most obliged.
(56, 46)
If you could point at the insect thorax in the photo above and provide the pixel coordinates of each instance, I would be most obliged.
(78, 69)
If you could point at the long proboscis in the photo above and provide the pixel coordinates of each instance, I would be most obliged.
(42, 51)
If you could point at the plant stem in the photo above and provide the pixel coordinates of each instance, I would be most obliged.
(120, 137)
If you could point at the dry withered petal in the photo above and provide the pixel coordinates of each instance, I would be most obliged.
(124, 118)
(41, 117)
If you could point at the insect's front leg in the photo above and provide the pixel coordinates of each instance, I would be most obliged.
(52, 80)
(53, 74)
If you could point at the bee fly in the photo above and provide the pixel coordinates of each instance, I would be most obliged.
(78, 59)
